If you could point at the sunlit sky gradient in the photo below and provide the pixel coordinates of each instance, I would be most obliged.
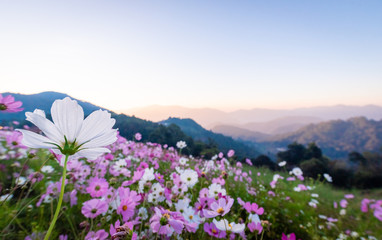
(220, 54)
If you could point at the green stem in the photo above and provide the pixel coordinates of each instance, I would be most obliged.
(71, 225)
(262, 235)
(59, 201)
(18, 213)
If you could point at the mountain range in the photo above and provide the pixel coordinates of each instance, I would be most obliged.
(258, 120)
(336, 138)
(249, 139)
(166, 132)
(44, 102)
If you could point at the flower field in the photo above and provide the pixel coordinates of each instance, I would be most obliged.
(127, 189)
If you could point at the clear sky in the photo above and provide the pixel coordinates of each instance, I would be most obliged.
(221, 54)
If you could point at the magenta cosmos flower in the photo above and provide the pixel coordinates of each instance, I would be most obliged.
(253, 208)
(165, 222)
(97, 187)
(99, 235)
(93, 208)
(8, 104)
(219, 209)
(292, 236)
(126, 208)
(213, 231)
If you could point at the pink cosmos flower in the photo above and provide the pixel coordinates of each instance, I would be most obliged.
(291, 179)
(99, 235)
(219, 209)
(253, 208)
(378, 214)
(343, 203)
(123, 232)
(365, 205)
(212, 230)
(302, 187)
(73, 198)
(14, 140)
(138, 136)
(292, 236)
(248, 161)
(126, 208)
(113, 228)
(164, 222)
(230, 153)
(93, 208)
(159, 177)
(255, 223)
(63, 237)
(8, 104)
(349, 196)
(97, 187)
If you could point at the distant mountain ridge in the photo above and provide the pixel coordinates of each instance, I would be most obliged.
(43, 101)
(225, 143)
(184, 129)
(337, 137)
(268, 121)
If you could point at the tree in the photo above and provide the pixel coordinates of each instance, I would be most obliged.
(264, 160)
(293, 155)
(312, 151)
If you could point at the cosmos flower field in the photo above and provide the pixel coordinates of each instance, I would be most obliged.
(135, 190)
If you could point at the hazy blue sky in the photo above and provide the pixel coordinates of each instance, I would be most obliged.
(223, 54)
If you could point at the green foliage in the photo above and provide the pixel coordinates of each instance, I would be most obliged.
(294, 155)
(264, 161)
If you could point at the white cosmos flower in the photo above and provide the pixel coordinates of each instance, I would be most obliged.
(224, 225)
(297, 171)
(181, 144)
(328, 177)
(70, 133)
(21, 181)
(142, 213)
(47, 169)
(214, 190)
(189, 177)
(282, 164)
(5, 197)
(183, 161)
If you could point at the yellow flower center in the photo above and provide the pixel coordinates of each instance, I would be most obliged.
(220, 210)
(166, 215)
(124, 208)
(191, 217)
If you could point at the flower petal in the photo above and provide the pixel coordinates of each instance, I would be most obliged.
(49, 129)
(102, 140)
(34, 140)
(96, 124)
(68, 116)
(92, 153)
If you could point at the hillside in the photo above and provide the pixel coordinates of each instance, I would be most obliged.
(268, 121)
(224, 143)
(281, 125)
(199, 140)
(336, 138)
(239, 133)
(44, 102)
